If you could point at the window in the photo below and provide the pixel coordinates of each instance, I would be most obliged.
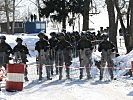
(38, 26)
(42, 26)
(18, 25)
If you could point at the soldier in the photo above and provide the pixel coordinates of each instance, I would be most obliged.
(42, 46)
(85, 52)
(107, 48)
(31, 17)
(63, 48)
(53, 41)
(5, 51)
(35, 17)
(20, 52)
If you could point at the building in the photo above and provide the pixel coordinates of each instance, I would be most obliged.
(18, 28)
(27, 27)
(35, 27)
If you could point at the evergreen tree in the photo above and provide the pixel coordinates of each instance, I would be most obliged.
(61, 8)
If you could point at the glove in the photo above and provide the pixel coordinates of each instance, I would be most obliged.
(113, 50)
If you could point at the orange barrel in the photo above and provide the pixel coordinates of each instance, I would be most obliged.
(132, 66)
(15, 77)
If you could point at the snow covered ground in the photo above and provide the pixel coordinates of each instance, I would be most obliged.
(75, 89)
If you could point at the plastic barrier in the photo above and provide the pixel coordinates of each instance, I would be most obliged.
(2, 72)
(15, 77)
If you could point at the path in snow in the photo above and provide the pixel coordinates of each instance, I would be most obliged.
(72, 90)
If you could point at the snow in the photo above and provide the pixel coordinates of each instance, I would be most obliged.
(75, 89)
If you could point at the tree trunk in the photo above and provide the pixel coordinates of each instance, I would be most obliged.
(125, 31)
(112, 23)
(73, 24)
(64, 23)
(13, 23)
(131, 26)
(86, 15)
(7, 16)
(64, 16)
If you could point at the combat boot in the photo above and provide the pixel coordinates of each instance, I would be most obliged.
(68, 76)
(101, 74)
(60, 77)
(81, 74)
(40, 77)
(89, 77)
(100, 78)
(57, 71)
(49, 78)
(80, 77)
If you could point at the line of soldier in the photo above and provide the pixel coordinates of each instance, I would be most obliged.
(62, 47)
(19, 51)
(59, 50)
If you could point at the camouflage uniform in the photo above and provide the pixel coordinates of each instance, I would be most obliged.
(42, 46)
(85, 52)
(20, 52)
(5, 51)
(63, 49)
(53, 41)
(107, 48)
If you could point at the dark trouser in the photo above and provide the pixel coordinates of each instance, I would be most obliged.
(85, 60)
(40, 71)
(59, 61)
(57, 70)
(106, 57)
(101, 73)
(88, 72)
(25, 71)
(110, 69)
(81, 73)
(48, 68)
(4, 59)
(67, 72)
(60, 72)
(52, 70)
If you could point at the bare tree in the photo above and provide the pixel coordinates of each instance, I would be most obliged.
(86, 15)
(13, 22)
(112, 21)
(126, 30)
(131, 25)
(7, 15)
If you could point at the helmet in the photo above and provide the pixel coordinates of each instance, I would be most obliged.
(3, 37)
(105, 36)
(19, 39)
(83, 34)
(53, 34)
(61, 34)
(41, 34)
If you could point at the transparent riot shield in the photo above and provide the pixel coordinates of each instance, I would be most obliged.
(17, 57)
